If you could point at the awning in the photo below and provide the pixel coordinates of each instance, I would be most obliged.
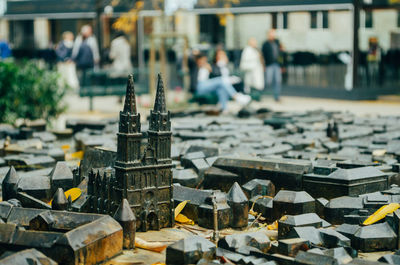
(30, 9)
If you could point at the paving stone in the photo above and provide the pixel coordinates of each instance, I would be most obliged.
(216, 178)
(375, 237)
(293, 203)
(288, 222)
(259, 187)
(189, 250)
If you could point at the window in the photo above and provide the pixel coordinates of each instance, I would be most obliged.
(398, 19)
(319, 19)
(325, 19)
(369, 19)
(314, 19)
(283, 20)
(274, 20)
(279, 20)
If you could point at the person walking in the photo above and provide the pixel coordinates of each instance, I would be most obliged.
(221, 85)
(251, 63)
(5, 50)
(120, 53)
(271, 52)
(65, 65)
(85, 53)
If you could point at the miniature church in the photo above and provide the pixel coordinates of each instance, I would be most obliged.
(143, 176)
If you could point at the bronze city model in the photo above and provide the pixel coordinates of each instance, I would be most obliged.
(144, 178)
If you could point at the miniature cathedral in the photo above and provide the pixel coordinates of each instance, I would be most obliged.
(144, 178)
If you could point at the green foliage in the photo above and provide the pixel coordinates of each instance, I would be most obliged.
(29, 91)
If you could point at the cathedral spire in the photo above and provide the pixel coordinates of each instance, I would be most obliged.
(130, 98)
(159, 105)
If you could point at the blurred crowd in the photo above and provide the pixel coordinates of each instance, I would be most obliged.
(246, 77)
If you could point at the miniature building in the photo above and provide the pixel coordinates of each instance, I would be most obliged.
(144, 179)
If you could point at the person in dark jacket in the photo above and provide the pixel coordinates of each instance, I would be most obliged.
(271, 52)
(66, 66)
(85, 53)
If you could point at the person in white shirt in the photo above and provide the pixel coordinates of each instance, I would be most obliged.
(221, 85)
(251, 63)
(120, 53)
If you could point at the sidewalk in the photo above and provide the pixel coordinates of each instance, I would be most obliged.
(109, 107)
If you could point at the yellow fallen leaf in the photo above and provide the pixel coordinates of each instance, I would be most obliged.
(75, 193)
(152, 246)
(381, 213)
(77, 155)
(273, 226)
(158, 263)
(283, 218)
(183, 219)
(65, 147)
(180, 207)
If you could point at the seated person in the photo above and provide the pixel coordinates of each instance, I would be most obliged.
(222, 85)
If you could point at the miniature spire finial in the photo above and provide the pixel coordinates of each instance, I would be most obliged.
(159, 104)
(130, 98)
(59, 202)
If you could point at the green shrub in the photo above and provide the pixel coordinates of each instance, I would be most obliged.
(30, 92)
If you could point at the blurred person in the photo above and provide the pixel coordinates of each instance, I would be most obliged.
(220, 85)
(5, 50)
(66, 67)
(251, 63)
(374, 56)
(120, 54)
(85, 53)
(193, 69)
(271, 52)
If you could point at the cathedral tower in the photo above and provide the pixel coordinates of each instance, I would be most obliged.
(129, 138)
(160, 127)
